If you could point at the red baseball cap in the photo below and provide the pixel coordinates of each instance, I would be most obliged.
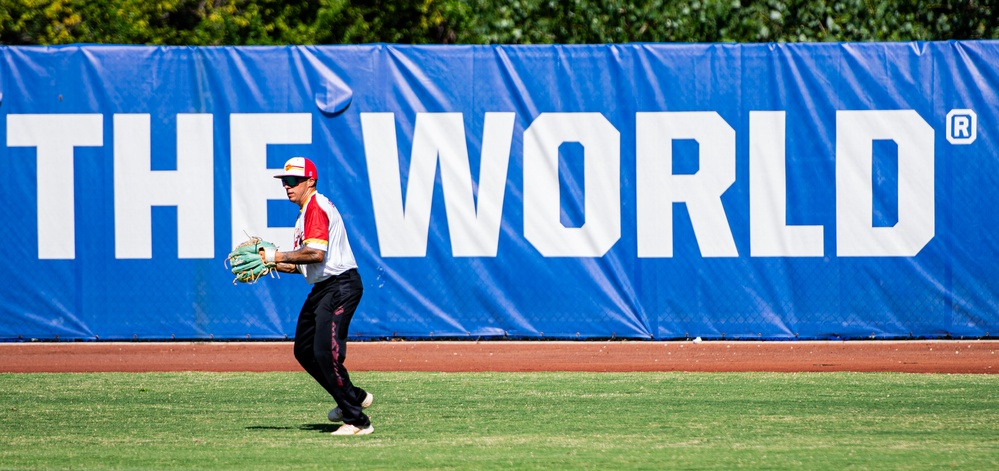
(299, 167)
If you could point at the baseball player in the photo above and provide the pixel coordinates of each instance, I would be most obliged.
(322, 253)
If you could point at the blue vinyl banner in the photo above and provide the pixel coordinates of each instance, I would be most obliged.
(642, 191)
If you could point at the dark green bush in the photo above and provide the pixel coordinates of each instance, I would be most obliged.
(246, 22)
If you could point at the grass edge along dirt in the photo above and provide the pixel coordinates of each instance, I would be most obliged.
(502, 420)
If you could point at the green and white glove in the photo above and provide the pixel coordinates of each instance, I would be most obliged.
(246, 263)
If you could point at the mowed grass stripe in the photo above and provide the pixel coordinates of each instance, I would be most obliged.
(503, 420)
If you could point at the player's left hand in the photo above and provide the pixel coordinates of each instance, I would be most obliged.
(247, 263)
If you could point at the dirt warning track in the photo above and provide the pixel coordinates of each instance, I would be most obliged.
(944, 356)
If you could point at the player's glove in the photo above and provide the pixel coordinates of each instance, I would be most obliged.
(245, 261)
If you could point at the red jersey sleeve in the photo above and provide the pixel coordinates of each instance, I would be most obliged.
(317, 224)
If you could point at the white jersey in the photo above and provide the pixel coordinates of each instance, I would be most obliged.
(320, 227)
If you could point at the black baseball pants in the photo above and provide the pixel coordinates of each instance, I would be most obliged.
(321, 340)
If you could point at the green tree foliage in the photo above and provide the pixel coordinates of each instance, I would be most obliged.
(865, 20)
(258, 22)
(229, 22)
(618, 21)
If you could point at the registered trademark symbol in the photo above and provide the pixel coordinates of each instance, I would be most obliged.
(962, 126)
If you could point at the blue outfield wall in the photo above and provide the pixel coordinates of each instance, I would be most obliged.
(643, 191)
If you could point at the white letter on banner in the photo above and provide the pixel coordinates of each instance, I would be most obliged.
(658, 188)
(403, 226)
(55, 136)
(601, 142)
(253, 184)
(191, 188)
(769, 234)
(855, 234)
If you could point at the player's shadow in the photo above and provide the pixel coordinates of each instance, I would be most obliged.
(324, 428)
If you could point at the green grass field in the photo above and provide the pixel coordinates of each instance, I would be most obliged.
(614, 421)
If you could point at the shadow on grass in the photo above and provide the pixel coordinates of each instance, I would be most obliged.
(324, 428)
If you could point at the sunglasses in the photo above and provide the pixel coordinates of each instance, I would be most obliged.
(292, 181)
